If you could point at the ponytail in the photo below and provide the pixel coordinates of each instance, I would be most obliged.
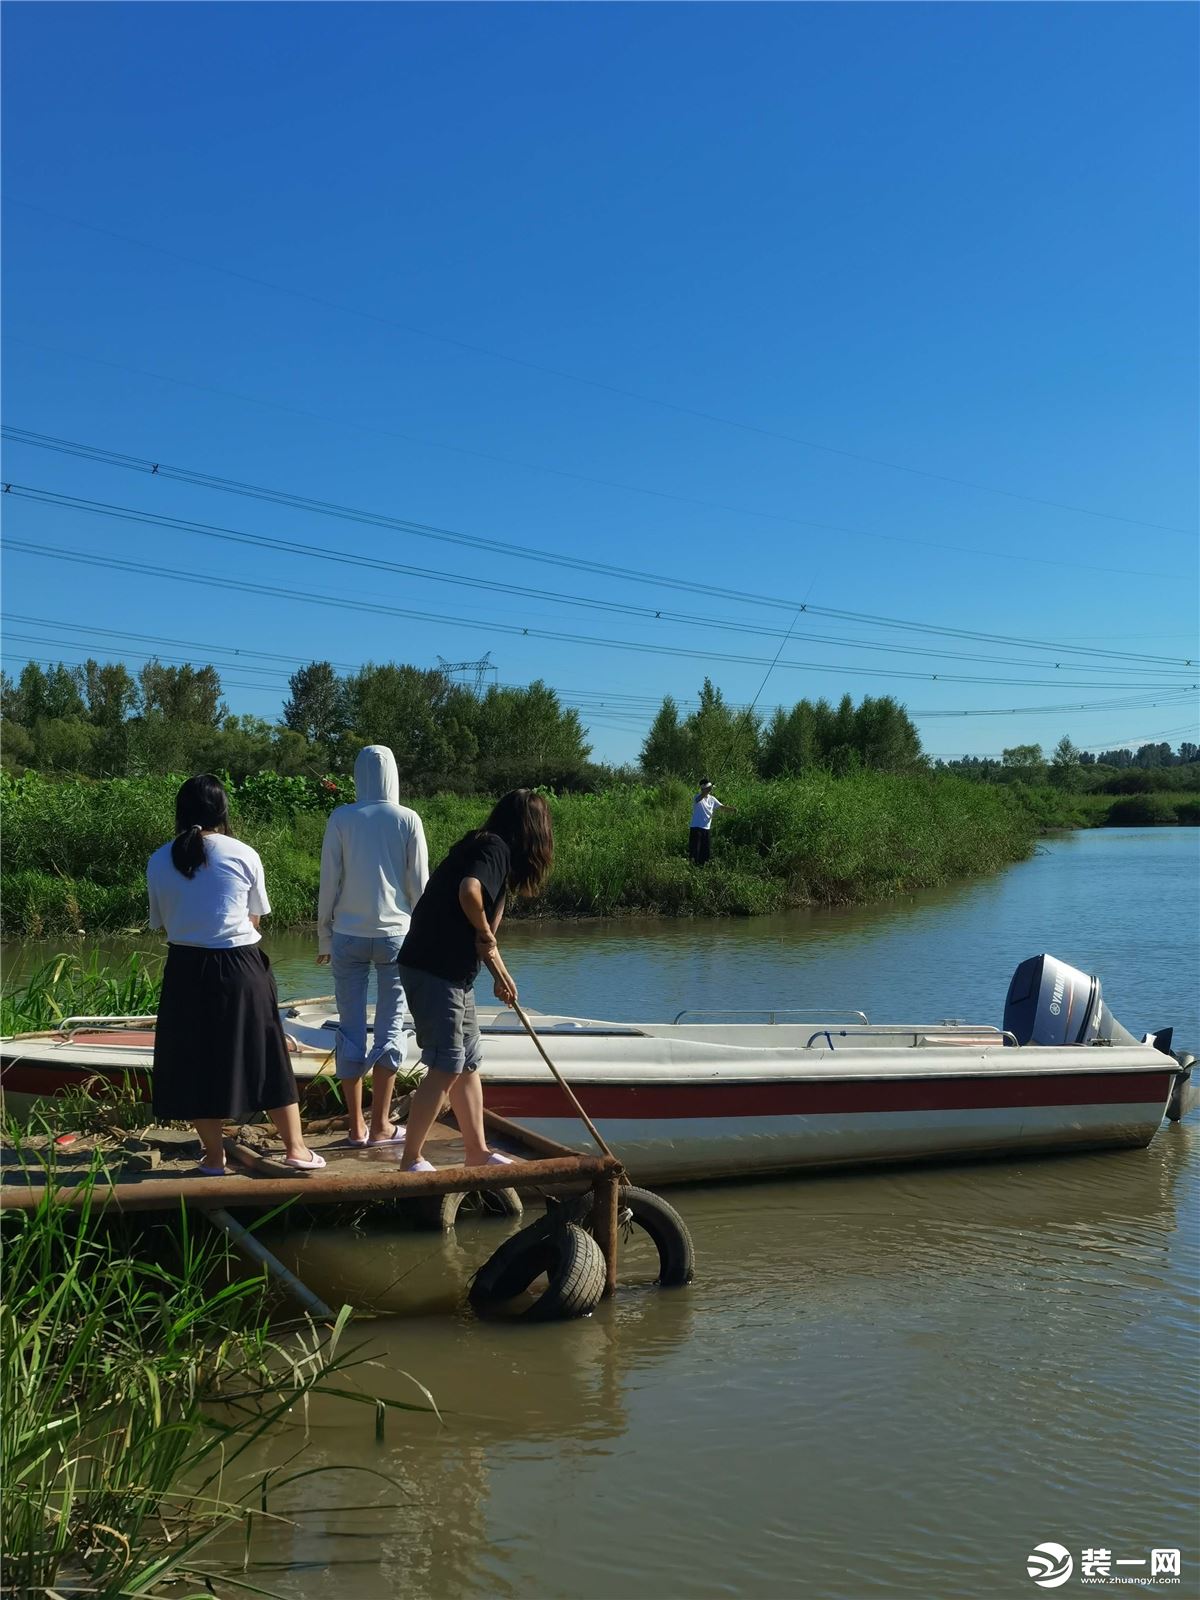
(187, 850)
(200, 806)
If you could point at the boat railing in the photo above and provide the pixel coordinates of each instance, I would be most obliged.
(801, 1013)
(956, 1033)
(72, 1025)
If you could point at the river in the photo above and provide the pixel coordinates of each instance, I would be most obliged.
(889, 1384)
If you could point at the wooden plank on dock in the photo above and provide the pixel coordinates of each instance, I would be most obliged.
(328, 1186)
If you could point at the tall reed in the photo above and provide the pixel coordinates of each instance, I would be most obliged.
(132, 1379)
(792, 842)
(68, 986)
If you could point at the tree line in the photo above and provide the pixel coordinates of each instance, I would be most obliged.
(717, 740)
(1151, 766)
(104, 720)
(101, 720)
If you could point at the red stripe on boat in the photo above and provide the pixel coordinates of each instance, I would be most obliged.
(666, 1102)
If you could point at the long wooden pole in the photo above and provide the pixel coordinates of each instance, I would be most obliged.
(564, 1085)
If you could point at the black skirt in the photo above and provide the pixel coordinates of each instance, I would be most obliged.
(219, 1047)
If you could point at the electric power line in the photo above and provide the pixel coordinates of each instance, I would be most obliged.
(841, 529)
(84, 558)
(198, 479)
(205, 530)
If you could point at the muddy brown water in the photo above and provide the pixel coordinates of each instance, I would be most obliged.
(888, 1384)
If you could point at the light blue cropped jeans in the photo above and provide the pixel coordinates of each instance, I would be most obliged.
(351, 960)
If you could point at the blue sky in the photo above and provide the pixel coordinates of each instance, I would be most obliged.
(673, 288)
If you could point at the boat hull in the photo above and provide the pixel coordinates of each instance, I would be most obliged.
(667, 1137)
(681, 1107)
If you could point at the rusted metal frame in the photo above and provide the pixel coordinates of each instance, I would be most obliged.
(322, 1187)
(245, 1241)
(605, 1229)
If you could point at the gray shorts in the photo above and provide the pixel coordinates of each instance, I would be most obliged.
(443, 1015)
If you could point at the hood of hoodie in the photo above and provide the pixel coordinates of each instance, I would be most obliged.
(375, 776)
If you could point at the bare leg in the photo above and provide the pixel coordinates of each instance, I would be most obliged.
(211, 1131)
(427, 1102)
(383, 1081)
(287, 1126)
(356, 1126)
(466, 1098)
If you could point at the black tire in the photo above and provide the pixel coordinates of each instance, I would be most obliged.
(439, 1212)
(667, 1229)
(570, 1258)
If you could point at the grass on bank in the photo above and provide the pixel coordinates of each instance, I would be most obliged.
(69, 986)
(75, 852)
(137, 1367)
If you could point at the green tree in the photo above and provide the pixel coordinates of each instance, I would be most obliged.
(182, 694)
(1065, 770)
(292, 756)
(316, 705)
(666, 749)
(64, 744)
(884, 735)
(64, 701)
(422, 717)
(1024, 762)
(790, 744)
(526, 737)
(30, 699)
(1153, 755)
(111, 692)
(16, 746)
(722, 742)
(10, 699)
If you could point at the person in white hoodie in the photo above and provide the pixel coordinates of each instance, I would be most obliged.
(374, 866)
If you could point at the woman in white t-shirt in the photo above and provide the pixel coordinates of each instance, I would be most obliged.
(220, 1054)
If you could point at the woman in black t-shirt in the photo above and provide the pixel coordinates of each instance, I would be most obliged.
(453, 931)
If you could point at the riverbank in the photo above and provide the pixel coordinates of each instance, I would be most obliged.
(140, 1363)
(75, 852)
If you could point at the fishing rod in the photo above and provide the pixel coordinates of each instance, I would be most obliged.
(749, 711)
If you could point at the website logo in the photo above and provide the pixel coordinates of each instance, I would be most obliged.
(1050, 1565)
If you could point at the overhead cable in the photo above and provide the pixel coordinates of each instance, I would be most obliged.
(841, 529)
(147, 466)
(86, 558)
(462, 580)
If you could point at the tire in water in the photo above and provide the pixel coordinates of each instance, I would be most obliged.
(571, 1259)
(667, 1230)
(439, 1212)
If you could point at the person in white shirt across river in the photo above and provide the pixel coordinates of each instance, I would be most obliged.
(700, 837)
(220, 1054)
(374, 865)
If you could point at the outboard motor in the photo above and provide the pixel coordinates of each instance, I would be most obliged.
(1051, 1003)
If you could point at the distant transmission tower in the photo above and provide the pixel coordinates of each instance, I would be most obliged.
(473, 673)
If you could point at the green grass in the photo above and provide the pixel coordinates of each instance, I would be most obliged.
(137, 1366)
(76, 851)
(68, 986)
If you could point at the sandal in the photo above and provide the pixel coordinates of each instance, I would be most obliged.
(212, 1172)
(313, 1164)
(420, 1165)
(395, 1137)
(495, 1159)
